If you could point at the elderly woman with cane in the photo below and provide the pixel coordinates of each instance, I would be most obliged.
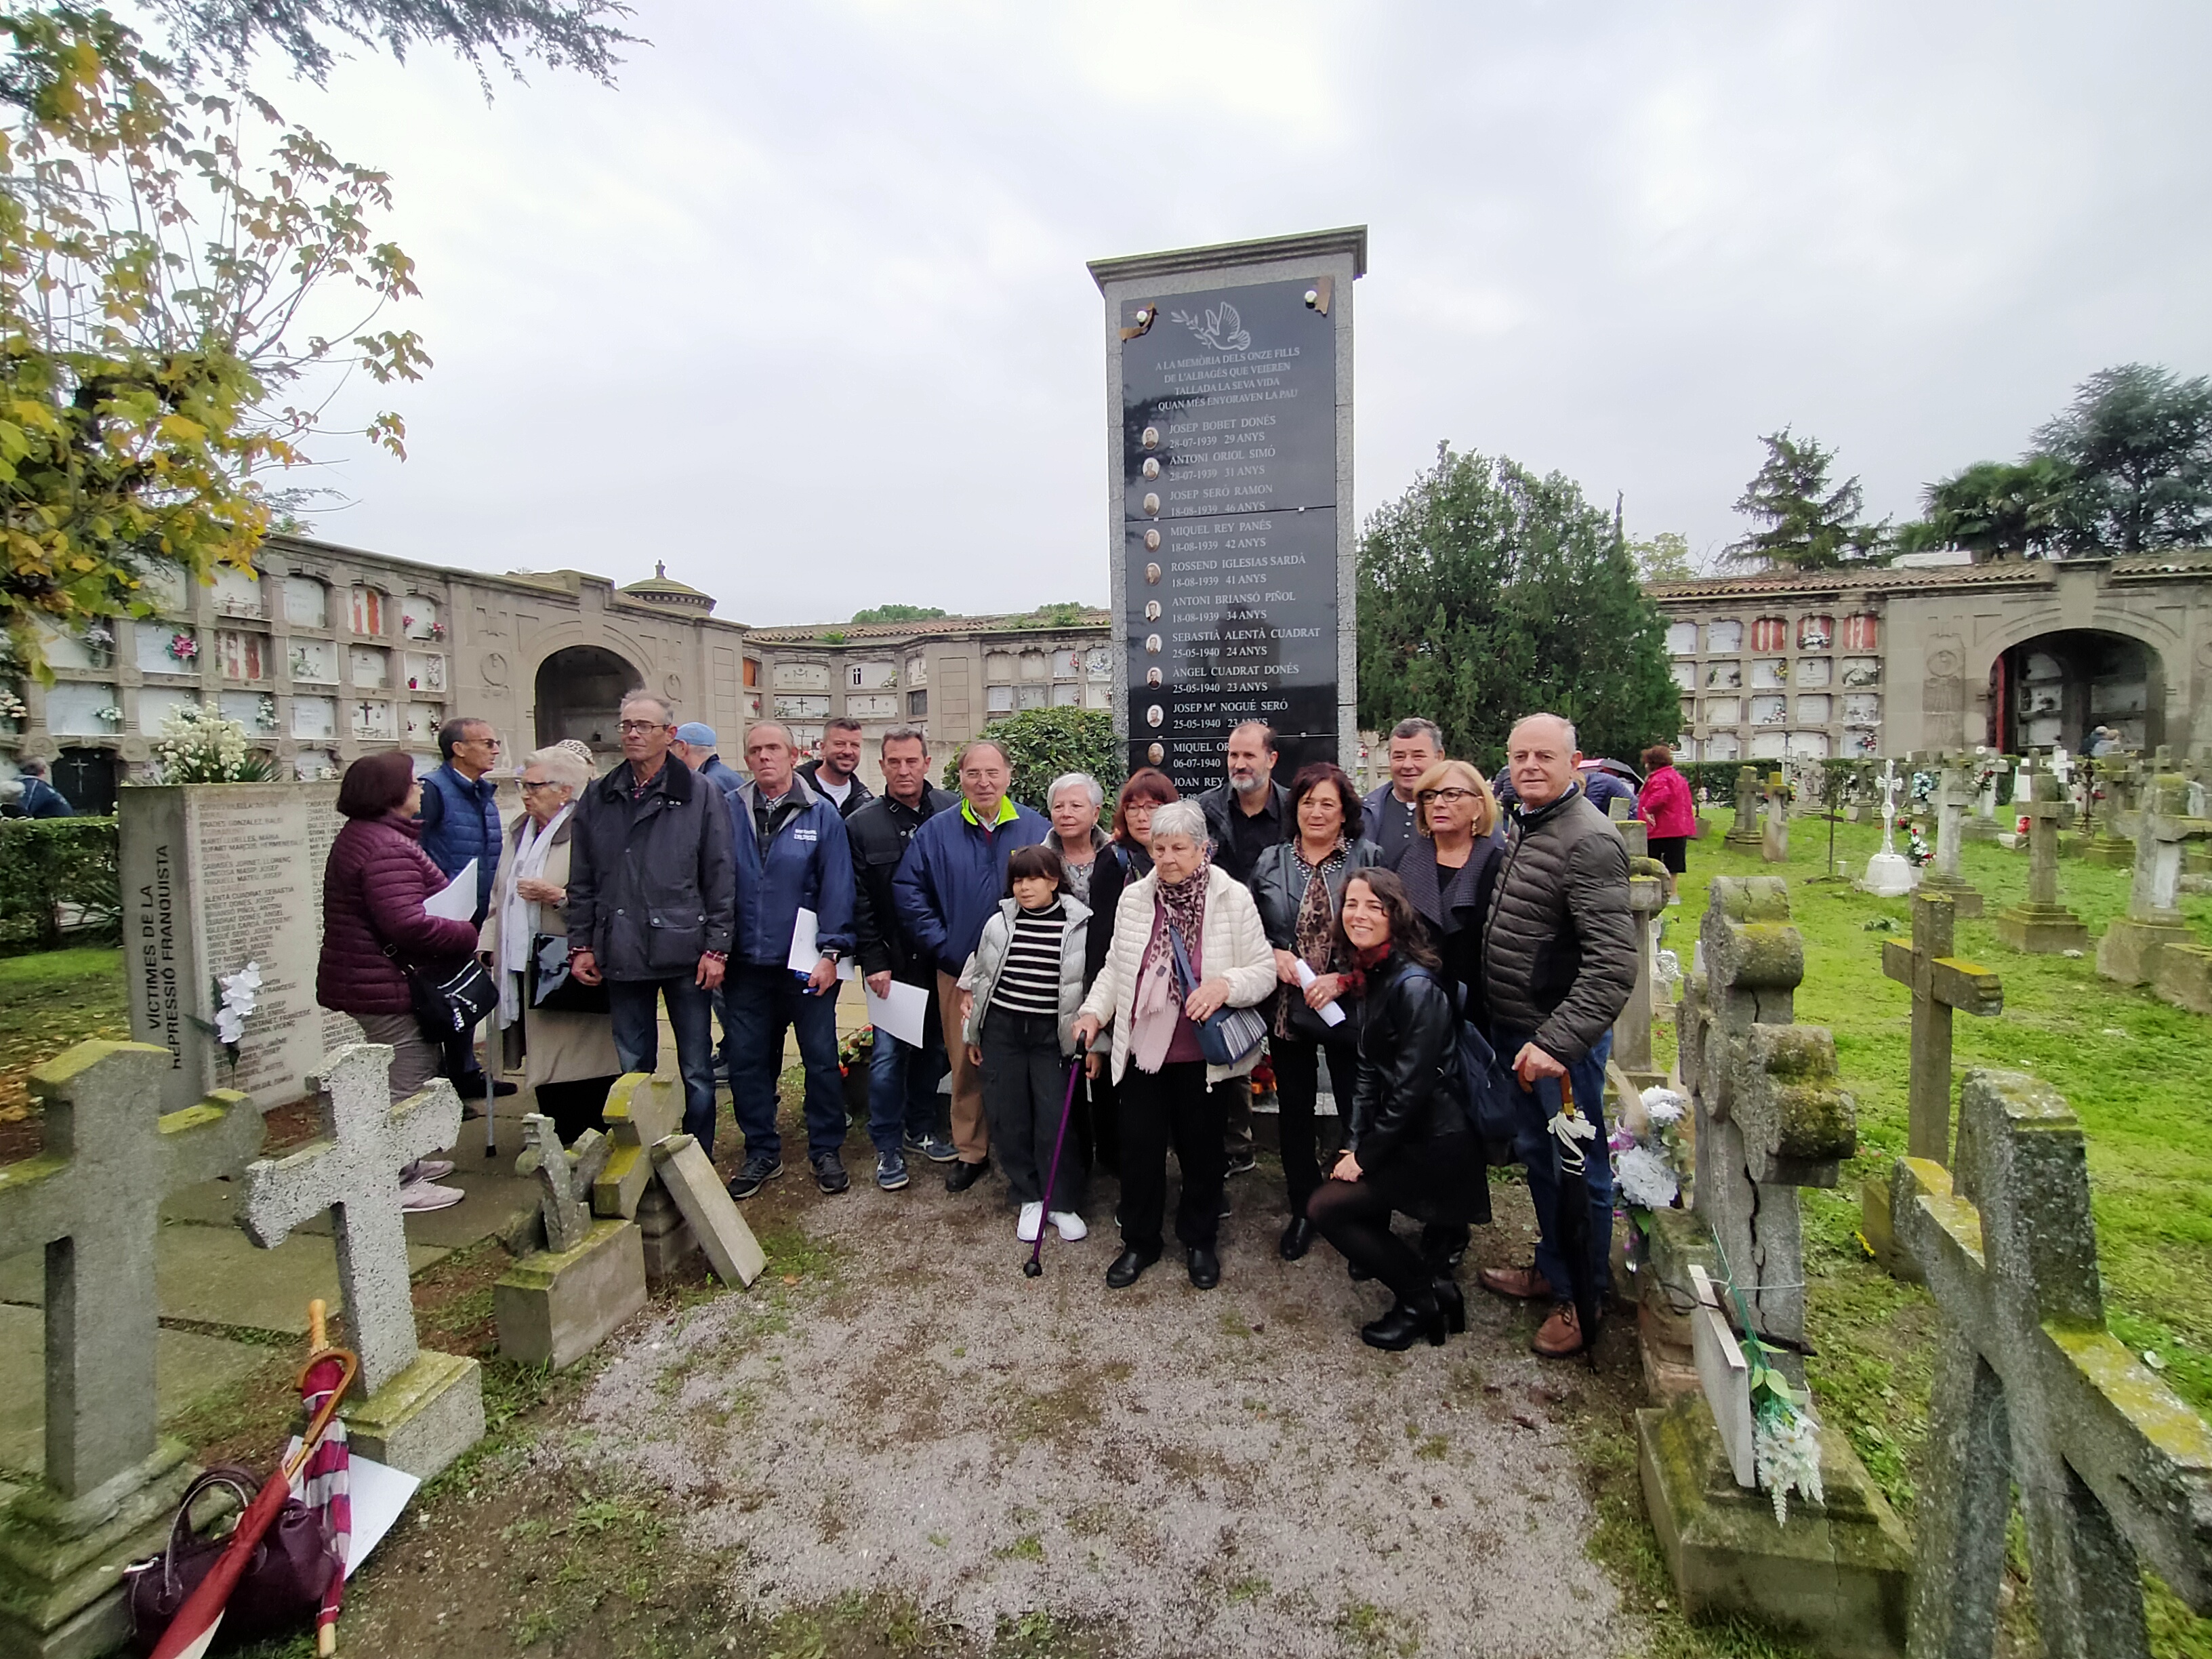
(1412, 1151)
(557, 1028)
(1296, 885)
(1187, 944)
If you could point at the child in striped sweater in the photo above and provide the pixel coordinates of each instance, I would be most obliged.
(1022, 987)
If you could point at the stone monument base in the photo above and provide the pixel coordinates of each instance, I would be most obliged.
(1888, 875)
(554, 1309)
(424, 1417)
(61, 1563)
(1966, 899)
(2042, 930)
(1676, 1242)
(2185, 977)
(2130, 950)
(2109, 852)
(672, 1248)
(1837, 1574)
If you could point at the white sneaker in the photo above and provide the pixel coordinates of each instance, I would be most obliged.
(1069, 1225)
(1030, 1224)
(427, 1169)
(424, 1195)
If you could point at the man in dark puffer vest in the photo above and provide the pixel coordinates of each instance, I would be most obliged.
(1558, 961)
(460, 821)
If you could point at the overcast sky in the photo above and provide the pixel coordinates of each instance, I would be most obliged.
(800, 306)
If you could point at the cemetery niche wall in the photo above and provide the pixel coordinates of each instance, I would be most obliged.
(1229, 463)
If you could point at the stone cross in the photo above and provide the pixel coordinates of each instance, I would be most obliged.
(1953, 795)
(91, 1200)
(1889, 873)
(2129, 953)
(564, 1179)
(1774, 834)
(1771, 1115)
(354, 1168)
(642, 1110)
(1632, 1031)
(2032, 1390)
(1744, 832)
(1940, 982)
(2041, 924)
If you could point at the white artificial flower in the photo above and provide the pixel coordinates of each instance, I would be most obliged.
(241, 995)
(1663, 1105)
(1785, 1446)
(1644, 1178)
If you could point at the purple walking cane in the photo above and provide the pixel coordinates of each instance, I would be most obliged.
(1034, 1267)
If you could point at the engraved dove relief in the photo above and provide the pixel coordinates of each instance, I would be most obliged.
(1221, 328)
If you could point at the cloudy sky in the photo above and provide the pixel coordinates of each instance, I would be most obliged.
(800, 307)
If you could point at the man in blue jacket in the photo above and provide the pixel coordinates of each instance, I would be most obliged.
(948, 882)
(791, 855)
(460, 821)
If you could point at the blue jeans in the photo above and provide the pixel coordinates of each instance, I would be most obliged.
(902, 1083)
(764, 1003)
(1538, 1151)
(632, 1005)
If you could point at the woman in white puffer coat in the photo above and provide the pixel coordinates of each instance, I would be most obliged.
(1162, 1073)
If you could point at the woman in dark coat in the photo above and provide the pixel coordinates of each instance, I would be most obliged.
(1300, 919)
(1411, 1149)
(374, 883)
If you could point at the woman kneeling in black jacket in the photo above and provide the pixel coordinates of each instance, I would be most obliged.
(1411, 1148)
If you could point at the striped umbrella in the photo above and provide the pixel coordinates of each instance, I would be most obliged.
(193, 1630)
(324, 1483)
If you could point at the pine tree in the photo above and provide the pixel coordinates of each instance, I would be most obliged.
(1805, 523)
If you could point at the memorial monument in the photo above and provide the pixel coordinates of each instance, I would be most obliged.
(1228, 483)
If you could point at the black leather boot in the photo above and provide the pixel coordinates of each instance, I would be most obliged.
(1298, 1239)
(1404, 1324)
(1452, 1303)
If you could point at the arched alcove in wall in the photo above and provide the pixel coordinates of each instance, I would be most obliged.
(580, 693)
(2055, 688)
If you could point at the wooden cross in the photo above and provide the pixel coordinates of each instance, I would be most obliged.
(354, 1169)
(92, 1199)
(1940, 982)
(2031, 1391)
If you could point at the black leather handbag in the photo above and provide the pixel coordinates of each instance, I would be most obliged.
(553, 987)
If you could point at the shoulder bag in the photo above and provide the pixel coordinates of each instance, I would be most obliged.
(1490, 1095)
(280, 1592)
(553, 987)
(1227, 1036)
(445, 1005)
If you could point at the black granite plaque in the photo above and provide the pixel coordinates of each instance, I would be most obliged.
(1229, 513)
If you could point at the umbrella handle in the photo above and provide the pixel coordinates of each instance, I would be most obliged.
(349, 1368)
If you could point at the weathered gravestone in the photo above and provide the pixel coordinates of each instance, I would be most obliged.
(1954, 797)
(1631, 1032)
(2040, 924)
(1770, 1117)
(1889, 873)
(1774, 832)
(556, 1306)
(2132, 944)
(2111, 784)
(1987, 773)
(1941, 983)
(91, 1200)
(214, 875)
(2185, 977)
(421, 1409)
(2033, 1393)
(732, 1250)
(1745, 830)
(640, 1113)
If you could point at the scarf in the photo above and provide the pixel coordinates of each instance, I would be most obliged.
(1312, 936)
(1363, 963)
(1183, 904)
(519, 917)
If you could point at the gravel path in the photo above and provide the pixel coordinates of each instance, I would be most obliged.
(1223, 1471)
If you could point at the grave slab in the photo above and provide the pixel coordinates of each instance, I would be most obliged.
(188, 1367)
(732, 1250)
(641, 1112)
(553, 1309)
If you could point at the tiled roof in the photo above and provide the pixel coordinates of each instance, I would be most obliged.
(2009, 573)
(856, 633)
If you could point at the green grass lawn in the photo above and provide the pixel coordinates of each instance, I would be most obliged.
(49, 1001)
(2130, 1066)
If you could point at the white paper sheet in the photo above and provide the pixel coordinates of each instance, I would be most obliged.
(901, 1011)
(379, 1494)
(457, 900)
(1329, 1012)
(804, 953)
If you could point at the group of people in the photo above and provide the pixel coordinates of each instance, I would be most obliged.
(1164, 947)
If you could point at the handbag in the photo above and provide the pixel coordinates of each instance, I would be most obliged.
(1227, 1036)
(1308, 1026)
(553, 987)
(280, 1591)
(1491, 1097)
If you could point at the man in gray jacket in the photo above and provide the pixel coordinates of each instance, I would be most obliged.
(652, 902)
(1558, 961)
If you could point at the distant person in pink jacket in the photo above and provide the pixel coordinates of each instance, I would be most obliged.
(1670, 816)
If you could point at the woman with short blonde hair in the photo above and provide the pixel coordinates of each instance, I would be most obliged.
(1450, 773)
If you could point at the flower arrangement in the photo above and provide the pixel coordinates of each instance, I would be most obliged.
(437, 630)
(1785, 1436)
(199, 746)
(182, 649)
(111, 714)
(1263, 1078)
(1917, 851)
(264, 714)
(99, 637)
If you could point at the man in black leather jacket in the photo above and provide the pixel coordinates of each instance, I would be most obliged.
(1558, 958)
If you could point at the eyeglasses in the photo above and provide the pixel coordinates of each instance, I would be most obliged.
(545, 783)
(1450, 795)
(643, 726)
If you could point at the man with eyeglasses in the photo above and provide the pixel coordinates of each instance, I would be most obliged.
(652, 902)
(1415, 746)
(460, 821)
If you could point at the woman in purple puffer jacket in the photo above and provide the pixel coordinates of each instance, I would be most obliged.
(374, 886)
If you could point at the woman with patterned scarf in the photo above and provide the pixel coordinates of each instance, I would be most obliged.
(1163, 1078)
(1299, 914)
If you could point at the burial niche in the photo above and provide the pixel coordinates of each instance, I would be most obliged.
(2052, 691)
(580, 693)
